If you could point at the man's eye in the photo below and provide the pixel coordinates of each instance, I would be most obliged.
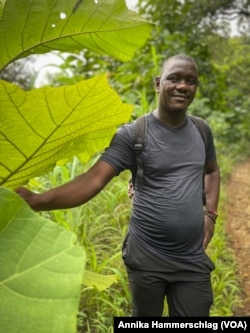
(192, 82)
(173, 79)
(189, 81)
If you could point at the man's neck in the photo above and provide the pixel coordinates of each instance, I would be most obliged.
(172, 118)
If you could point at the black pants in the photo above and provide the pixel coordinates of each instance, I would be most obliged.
(184, 298)
(186, 285)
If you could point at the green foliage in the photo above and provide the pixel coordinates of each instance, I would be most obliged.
(87, 113)
(194, 29)
(41, 273)
(72, 120)
(37, 133)
(101, 282)
(40, 287)
(101, 225)
(225, 279)
(104, 27)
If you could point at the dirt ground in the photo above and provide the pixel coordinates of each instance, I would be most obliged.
(238, 227)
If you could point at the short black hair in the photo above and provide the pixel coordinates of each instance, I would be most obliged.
(179, 57)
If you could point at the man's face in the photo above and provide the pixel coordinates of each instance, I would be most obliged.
(177, 85)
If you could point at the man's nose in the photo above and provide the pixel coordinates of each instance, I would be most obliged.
(182, 84)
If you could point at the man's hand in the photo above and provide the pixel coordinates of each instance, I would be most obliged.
(29, 196)
(209, 230)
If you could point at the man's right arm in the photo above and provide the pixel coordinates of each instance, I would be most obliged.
(72, 194)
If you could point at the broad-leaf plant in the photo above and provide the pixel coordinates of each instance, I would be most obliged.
(42, 267)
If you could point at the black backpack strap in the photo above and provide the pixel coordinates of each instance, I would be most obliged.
(139, 142)
(203, 130)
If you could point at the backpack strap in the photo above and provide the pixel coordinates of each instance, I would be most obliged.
(139, 143)
(202, 128)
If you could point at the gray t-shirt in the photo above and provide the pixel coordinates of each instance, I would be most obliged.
(167, 216)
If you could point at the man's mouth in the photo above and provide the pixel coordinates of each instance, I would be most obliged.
(180, 97)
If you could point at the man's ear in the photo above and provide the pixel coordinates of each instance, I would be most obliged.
(157, 84)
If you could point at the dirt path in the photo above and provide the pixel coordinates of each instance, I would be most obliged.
(238, 227)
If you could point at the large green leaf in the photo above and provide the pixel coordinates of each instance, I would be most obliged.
(43, 126)
(39, 26)
(41, 271)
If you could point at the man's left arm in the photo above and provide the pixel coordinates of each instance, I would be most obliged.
(212, 190)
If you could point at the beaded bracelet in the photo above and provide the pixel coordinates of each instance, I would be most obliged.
(211, 217)
(211, 213)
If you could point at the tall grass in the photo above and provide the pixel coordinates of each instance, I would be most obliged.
(225, 280)
(101, 226)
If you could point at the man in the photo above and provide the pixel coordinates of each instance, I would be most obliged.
(169, 230)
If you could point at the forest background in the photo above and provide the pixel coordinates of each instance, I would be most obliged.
(202, 30)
